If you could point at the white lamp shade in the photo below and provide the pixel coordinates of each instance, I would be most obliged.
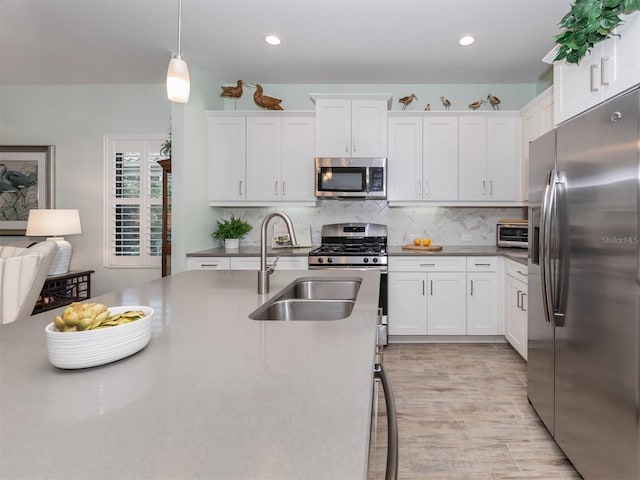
(43, 222)
(178, 82)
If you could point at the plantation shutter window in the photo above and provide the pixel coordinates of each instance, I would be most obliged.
(133, 212)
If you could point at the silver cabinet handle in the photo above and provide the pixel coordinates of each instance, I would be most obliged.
(423, 288)
(283, 190)
(353, 144)
(240, 187)
(431, 287)
(490, 187)
(519, 302)
(482, 264)
(427, 264)
(276, 190)
(419, 187)
(521, 273)
(484, 187)
(212, 265)
(472, 288)
(346, 144)
(426, 187)
(522, 307)
(604, 61)
(391, 472)
(593, 76)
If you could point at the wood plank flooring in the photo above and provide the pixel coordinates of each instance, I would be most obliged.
(463, 414)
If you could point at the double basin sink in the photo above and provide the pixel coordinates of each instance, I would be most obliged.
(312, 298)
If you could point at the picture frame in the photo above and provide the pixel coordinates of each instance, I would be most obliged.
(26, 182)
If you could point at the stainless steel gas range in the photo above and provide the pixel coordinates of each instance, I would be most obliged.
(356, 246)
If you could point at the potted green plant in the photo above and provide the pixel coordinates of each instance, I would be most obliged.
(231, 231)
(589, 22)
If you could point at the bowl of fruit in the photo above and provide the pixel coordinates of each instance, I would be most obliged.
(91, 334)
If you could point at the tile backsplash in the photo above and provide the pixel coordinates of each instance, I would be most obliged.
(444, 225)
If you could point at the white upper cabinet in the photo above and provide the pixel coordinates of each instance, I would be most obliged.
(349, 127)
(611, 67)
(404, 172)
(440, 158)
(226, 158)
(537, 119)
(489, 158)
(260, 159)
(423, 158)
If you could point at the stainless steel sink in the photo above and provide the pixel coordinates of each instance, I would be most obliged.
(296, 309)
(312, 298)
(328, 288)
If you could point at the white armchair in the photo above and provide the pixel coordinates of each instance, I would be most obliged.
(22, 275)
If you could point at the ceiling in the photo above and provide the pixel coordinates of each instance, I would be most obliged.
(323, 41)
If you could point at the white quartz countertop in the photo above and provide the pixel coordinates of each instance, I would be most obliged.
(214, 395)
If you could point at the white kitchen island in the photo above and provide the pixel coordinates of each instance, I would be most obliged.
(214, 395)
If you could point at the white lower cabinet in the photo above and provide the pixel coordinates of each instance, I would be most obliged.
(516, 306)
(245, 263)
(432, 296)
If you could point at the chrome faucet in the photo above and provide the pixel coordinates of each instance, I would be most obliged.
(266, 270)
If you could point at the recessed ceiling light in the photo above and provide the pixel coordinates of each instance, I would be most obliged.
(272, 39)
(466, 40)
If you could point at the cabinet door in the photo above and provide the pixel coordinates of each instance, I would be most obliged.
(333, 128)
(503, 159)
(446, 303)
(472, 157)
(482, 304)
(620, 63)
(226, 158)
(515, 315)
(297, 159)
(264, 153)
(369, 128)
(405, 159)
(440, 157)
(577, 87)
(407, 303)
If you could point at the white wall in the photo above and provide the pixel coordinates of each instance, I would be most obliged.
(74, 118)
(191, 215)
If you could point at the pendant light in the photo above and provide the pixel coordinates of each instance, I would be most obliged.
(178, 83)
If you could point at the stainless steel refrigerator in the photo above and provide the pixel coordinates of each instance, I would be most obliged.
(584, 287)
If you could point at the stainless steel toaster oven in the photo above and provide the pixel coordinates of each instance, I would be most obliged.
(512, 233)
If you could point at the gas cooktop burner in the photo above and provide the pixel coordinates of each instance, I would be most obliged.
(353, 245)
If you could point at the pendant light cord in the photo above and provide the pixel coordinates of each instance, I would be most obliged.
(179, 53)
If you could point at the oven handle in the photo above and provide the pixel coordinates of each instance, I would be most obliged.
(392, 423)
(380, 268)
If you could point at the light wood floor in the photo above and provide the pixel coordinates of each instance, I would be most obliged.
(463, 414)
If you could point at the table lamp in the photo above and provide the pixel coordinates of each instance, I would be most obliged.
(53, 223)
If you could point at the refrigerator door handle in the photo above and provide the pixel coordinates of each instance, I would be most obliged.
(543, 252)
(560, 258)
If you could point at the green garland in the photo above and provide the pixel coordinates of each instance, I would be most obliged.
(589, 22)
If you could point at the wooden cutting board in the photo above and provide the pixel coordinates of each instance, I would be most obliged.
(430, 248)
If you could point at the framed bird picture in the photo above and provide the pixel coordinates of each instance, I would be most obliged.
(26, 182)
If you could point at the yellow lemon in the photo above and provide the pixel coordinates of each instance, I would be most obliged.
(416, 242)
(426, 242)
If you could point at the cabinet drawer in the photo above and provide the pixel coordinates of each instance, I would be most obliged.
(482, 264)
(516, 270)
(208, 263)
(427, 264)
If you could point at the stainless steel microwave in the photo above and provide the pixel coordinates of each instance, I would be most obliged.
(512, 233)
(351, 178)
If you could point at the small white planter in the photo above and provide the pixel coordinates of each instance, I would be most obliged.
(231, 243)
